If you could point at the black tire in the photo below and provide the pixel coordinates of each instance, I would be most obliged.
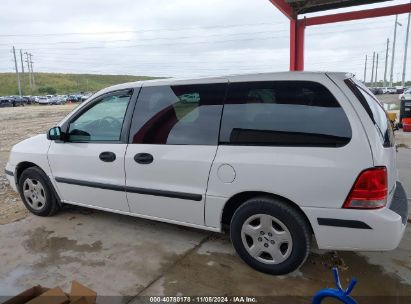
(297, 227)
(51, 205)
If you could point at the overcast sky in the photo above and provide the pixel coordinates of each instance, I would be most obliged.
(184, 38)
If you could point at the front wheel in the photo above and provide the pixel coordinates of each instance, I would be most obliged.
(36, 192)
(270, 235)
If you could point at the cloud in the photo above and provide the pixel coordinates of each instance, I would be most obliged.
(181, 37)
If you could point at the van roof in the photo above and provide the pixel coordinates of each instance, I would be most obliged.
(230, 78)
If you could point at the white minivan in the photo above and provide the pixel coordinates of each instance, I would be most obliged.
(273, 159)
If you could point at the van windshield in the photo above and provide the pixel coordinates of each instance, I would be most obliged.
(375, 110)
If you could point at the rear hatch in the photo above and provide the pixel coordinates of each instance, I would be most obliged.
(384, 151)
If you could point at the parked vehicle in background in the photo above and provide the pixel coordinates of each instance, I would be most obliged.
(406, 95)
(379, 91)
(43, 100)
(5, 102)
(57, 100)
(73, 98)
(17, 101)
(384, 90)
(235, 153)
(85, 96)
(399, 89)
(373, 90)
(64, 98)
(27, 100)
(376, 90)
(391, 90)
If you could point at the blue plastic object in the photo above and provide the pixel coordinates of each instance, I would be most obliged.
(339, 293)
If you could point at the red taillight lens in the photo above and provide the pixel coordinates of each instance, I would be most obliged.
(369, 190)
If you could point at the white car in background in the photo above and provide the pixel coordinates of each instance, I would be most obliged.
(43, 100)
(384, 90)
(391, 91)
(406, 95)
(274, 159)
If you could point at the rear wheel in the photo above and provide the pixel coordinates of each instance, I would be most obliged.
(270, 235)
(36, 192)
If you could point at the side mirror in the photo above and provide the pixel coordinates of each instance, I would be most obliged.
(54, 134)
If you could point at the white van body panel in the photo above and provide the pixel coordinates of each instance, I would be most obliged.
(81, 162)
(33, 150)
(296, 173)
(382, 156)
(316, 179)
(181, 168)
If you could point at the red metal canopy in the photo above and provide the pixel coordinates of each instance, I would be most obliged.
(293, 8)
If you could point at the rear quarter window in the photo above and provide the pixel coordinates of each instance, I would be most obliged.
(375, 111)
(283, 113)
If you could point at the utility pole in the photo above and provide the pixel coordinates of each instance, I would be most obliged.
(32, 72)
(386, 62)
(372, 71)
(29, 71)
(365, 70)
(376, 71)
(404, 67)
(393, 50)
(22, 70)
(17, 70)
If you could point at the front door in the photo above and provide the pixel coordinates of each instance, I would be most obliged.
(173, 141)
(89, 167)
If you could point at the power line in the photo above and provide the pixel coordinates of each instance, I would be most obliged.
(187, 37)
(137, 31)
(166, 29)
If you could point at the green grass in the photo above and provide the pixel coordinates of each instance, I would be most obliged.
(63, 83)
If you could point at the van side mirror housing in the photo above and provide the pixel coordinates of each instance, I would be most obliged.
(54, 134)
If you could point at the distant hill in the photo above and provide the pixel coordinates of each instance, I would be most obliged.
(63, 83)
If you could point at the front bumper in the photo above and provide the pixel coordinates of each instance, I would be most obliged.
(350, 229)
(9, 171)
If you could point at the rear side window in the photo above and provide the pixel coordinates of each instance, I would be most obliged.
(283, 113)
(178, 115)
(375, 110)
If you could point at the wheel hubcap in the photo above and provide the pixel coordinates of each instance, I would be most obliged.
(34, 193)
(266, 239)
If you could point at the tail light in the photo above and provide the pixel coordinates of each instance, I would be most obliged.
(369, 190)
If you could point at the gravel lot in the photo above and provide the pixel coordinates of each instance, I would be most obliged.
(17, 124)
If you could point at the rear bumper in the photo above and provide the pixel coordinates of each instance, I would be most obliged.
(399, 202)
(349, 229)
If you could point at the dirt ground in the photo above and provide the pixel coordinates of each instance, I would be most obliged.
(17, 124)
(125, 259)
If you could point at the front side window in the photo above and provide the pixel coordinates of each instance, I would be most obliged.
(283, 113)
(103, 121)
(178, 115)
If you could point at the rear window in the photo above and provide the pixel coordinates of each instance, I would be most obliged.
(283, 113)
(375, 110)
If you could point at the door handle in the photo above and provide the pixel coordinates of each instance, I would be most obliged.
(107, 157)
(143, 158)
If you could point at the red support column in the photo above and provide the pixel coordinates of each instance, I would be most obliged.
(297, 31)
(293, 32)
(297, 27)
